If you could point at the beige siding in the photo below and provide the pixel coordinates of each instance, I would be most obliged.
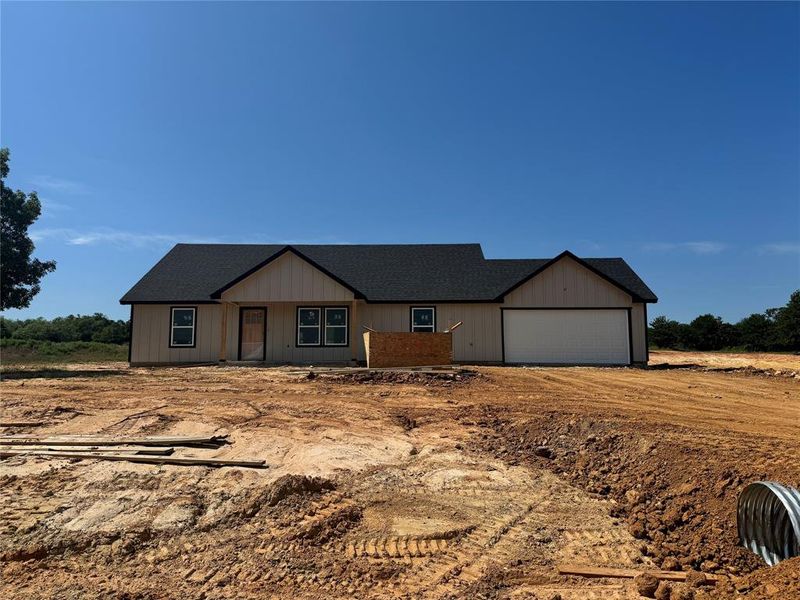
(282, 343)
(288, 279)
(151, 335)
(567, 284)
(477, 340)
(638, 332)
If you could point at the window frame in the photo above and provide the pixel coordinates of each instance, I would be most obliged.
(322, 327)
(411, 318)
(172, 326)
(346, 326)
(318, 327)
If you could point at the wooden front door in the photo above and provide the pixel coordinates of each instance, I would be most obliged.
(252, 334)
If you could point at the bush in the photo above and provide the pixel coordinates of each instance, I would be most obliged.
(73, 328)
(775, 329)
(15, 350)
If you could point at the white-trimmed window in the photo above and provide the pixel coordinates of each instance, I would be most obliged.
(308, 326)
(182, 321)
(322, 326)
(336, 326)
(423, 319)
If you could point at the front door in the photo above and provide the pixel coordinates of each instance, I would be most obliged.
(252, 333)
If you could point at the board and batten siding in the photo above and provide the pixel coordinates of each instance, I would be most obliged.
(282, 338)
(151, 335)
(477, 340)
(567, 284)
(288, 278)
(639, 332)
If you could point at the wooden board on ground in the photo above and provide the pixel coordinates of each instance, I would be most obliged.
(588, 571)
(114, 450)
(137, 458)
(88, 440)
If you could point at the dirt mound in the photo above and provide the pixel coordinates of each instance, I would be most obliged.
(293, 485)
(781, 581)
(427, 378)
(331, 526)
(678, 500)
(746, 370)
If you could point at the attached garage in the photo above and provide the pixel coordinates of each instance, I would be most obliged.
(591, 336)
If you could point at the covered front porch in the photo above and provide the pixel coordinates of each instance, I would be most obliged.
(298, 332)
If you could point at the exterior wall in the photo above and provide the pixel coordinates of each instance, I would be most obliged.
(639, 332)
(567, 284)
(151, 331)
(282, 338)
(477, 340)
(288, 279)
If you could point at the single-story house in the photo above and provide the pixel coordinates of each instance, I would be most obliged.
(306, 304)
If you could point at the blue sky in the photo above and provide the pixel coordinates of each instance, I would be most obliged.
(666, 133)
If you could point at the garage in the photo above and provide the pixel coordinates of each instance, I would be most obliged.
(594, 336)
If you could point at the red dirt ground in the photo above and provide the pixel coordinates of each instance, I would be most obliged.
(407, 486)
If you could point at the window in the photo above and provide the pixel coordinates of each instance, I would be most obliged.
(336, 327)
(322, 326)
(308, 320)
(182, 321)
(423, 319)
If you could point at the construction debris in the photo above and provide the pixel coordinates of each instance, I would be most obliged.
(216, 441)
(137, 458)
(21, 423)
(143, 451)
(586, 571)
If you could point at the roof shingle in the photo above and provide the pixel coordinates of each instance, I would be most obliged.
(379, 273)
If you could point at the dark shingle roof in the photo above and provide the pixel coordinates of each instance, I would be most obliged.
(379, 273)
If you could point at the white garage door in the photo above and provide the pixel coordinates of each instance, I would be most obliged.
(594, 336)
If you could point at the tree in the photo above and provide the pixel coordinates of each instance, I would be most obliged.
(72, 328)
(19, 272)
(706, 333)
(787, 323)
(665, 333)
(756, 332)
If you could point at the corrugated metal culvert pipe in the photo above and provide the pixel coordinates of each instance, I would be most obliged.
(768, 518)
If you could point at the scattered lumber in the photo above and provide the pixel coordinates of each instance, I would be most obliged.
(87, 440)
(138, 458)
(452, 328)
(21, 423)
(117, 449)
(587, 571)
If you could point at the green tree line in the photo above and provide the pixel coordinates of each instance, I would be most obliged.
(774, 329)
(73, 328)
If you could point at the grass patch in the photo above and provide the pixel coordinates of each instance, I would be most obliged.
(15, 352)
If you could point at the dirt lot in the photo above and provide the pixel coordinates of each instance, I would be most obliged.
(782, 363)
(395, 486)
